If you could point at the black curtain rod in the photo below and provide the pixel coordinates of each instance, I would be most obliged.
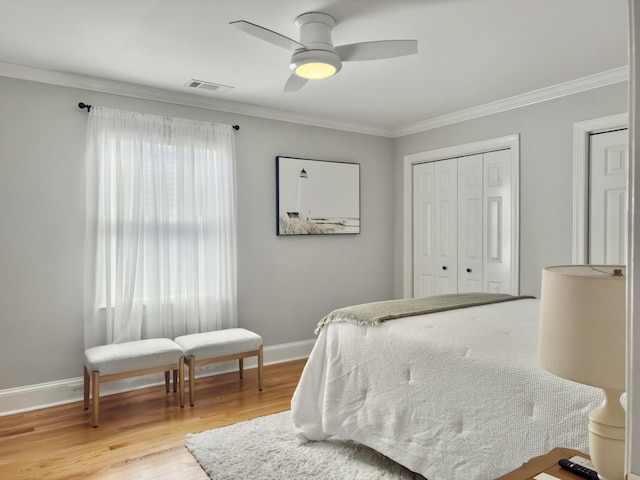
(88, 107)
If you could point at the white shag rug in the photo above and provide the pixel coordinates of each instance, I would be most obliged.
(266, 448)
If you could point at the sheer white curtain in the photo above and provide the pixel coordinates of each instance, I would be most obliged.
(160, 244)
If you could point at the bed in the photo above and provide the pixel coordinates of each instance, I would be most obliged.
(454, 394)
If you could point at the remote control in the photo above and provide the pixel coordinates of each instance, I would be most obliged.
(582, 461)
(578, 469)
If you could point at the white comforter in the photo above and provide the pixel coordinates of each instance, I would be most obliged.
(450, 395)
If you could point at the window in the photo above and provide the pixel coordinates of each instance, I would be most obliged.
(161, 229)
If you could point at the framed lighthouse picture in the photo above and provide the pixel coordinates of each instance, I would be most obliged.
(317, 197)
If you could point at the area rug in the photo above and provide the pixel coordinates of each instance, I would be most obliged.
(266, 448)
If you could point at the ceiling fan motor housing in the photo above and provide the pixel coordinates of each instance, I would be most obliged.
(315, 33)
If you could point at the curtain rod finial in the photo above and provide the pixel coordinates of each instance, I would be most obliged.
(84, 105)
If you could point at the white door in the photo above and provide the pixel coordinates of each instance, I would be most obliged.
(463, 225)
(608, 165)
(446, 227)
(423, 218)
(497, 222)
(435, 228)
(470, 200)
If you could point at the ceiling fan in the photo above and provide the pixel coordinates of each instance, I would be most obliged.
(314, 56)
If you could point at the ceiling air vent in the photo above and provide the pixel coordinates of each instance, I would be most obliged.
(211, 87)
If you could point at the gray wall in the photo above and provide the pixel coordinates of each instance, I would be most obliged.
(285, 284)
(546, 172)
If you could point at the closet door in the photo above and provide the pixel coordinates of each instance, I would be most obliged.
(497, 226)
(435, 228)
(445, 227)
(470, 209)
(423, 232)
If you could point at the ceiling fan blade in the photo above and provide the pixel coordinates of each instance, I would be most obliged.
(294, 83)
(377, 50)
(267, 35)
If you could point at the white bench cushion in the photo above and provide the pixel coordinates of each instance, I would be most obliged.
(219, 343)
(131, 356)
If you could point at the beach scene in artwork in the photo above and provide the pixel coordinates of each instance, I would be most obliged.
(318, 197)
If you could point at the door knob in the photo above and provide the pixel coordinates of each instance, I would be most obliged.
(468, 270)
(444, 267)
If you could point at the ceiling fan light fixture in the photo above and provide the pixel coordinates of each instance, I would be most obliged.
(315, 64)
(315, 71)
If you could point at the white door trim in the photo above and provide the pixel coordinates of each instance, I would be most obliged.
(581, 132)
(512, 142)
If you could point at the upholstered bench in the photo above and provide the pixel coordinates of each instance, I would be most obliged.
(219, 346)
(115, 361)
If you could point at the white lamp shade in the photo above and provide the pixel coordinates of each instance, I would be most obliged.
(583, 324)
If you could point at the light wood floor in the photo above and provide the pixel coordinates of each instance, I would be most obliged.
(141, 433)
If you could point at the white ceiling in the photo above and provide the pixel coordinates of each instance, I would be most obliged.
(470, 52)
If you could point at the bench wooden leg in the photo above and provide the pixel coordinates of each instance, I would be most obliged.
(167, 381)
(192, 380)
(179, 372)
(260, 368)
(87, 383)
(95, 393)
(241, 367)
(175, 380)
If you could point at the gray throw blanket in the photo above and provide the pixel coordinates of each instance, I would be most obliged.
(378, 312)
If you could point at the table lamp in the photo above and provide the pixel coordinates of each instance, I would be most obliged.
(582, 338)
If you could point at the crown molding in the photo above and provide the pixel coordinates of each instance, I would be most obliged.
(609, 77)
(176, 97)
(85, 82)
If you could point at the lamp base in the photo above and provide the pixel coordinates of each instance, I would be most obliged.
(606, 436)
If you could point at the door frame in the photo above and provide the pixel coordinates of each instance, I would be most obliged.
(511, 142)
(581, 132)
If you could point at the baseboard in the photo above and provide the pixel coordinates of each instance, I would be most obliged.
(32, 397)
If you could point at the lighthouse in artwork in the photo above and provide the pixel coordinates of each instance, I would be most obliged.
(302, 205)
